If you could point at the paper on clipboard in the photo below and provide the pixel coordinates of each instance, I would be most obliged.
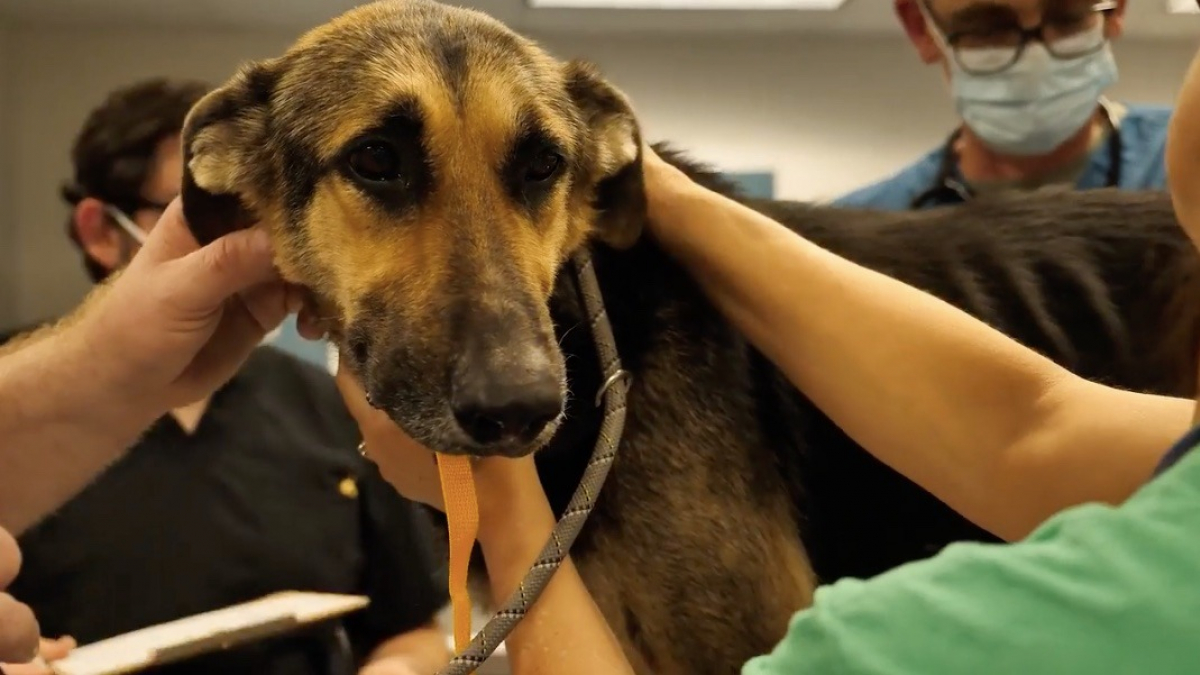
(207, 632)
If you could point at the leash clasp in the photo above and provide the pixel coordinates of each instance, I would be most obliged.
(619, 375)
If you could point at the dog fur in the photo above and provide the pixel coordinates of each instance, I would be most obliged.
(426, 173)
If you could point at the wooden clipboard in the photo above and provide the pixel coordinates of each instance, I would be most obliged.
(267, 617)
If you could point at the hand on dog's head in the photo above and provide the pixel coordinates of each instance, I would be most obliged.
(426, 172)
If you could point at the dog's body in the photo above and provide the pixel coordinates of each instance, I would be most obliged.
(730, 482)
(427, 173)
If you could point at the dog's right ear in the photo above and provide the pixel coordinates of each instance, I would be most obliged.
(223, 164)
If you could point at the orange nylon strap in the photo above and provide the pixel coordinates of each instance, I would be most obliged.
(462, 517)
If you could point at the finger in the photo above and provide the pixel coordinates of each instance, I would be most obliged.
(53, 650)
(237, 335)
(233, 264)
(355, 399)
(268, 305)
(309, 324)
(19, 635)
(10, 558)
(170, 238)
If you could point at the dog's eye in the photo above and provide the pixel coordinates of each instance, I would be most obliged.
(376, 161)
(544, 166)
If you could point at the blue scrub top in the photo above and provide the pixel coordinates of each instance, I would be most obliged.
(1143, 165)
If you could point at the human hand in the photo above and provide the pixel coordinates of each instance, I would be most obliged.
(49, 651)
(410, 467)
(662, 182)
(18, 627)
(180, 320)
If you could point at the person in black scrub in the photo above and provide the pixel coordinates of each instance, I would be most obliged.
(256, 489)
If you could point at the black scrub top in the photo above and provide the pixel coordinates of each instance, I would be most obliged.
(268, 494)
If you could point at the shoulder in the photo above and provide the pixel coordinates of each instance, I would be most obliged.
(1144, 141)
(1147, 120)
(1144, 128)
(1144, 145)
(896, 192)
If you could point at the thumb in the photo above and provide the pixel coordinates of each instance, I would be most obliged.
(53, 650)
(230, 265)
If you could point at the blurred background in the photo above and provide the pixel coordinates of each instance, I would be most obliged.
(796, 100)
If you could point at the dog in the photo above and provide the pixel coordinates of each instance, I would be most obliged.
(427, 172)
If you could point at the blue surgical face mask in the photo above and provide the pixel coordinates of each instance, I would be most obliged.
(1037, 104)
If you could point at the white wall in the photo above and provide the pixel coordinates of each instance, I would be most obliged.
(826, 114)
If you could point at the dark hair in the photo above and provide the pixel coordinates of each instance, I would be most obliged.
(113, 154)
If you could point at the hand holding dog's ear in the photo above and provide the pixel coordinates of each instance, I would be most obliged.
(181, 318)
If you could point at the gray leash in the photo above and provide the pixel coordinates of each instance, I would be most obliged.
(487, 640)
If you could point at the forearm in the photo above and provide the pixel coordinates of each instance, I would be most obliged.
(564, 631)
(1183, 153)
(61, 424)
(423, 650)
(938, 395)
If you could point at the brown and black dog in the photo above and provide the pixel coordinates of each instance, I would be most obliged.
(427, 172)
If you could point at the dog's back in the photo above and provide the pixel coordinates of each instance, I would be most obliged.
(1092, 280)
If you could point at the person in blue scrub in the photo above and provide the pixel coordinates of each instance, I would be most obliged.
(1028, 79)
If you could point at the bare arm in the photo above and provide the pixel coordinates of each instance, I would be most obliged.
(173, 326)
(1183, 159)
(62, 421)
(564, 631)
(1183, 153)
(1001, 434)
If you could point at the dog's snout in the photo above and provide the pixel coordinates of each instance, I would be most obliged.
(500, 413)
(497, 400)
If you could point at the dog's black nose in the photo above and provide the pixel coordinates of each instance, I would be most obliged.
(495, 410)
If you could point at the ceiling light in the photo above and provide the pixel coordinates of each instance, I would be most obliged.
(795, 5)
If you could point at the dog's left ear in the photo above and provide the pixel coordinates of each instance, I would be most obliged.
(223, 164)
(612, 155)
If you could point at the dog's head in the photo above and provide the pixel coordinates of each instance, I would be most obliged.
(425, 172)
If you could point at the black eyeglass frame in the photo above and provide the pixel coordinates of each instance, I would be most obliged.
(1024, 35)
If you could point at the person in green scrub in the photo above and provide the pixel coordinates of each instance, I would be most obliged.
(1095, 490)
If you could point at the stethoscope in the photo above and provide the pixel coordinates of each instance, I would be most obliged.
(948, 188)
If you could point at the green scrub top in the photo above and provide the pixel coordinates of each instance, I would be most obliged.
(1096, 590)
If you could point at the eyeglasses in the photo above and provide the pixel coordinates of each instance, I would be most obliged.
(126, 223)
(994, 49)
